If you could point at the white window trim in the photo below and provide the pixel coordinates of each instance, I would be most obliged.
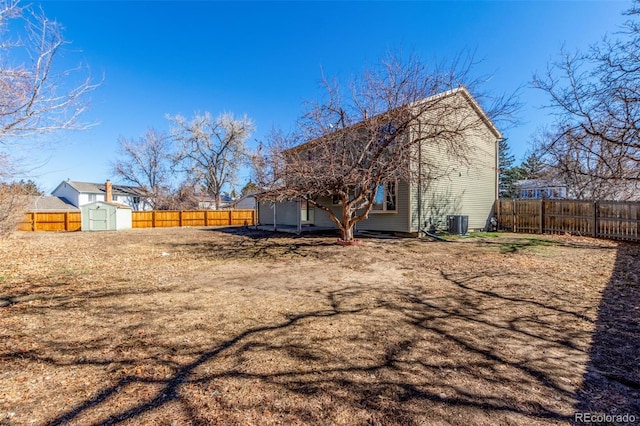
(384, 206)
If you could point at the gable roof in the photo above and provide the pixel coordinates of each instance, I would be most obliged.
(461, 90)
(50, 203)
(99, 188)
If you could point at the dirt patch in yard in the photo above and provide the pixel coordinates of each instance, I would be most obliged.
(235, 326)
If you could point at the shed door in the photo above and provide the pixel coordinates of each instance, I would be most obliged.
(98, 220)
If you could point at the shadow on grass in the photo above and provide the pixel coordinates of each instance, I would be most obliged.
(612, 381)
(460, 347)
(406, 375)
(512, 244)
(251, 243)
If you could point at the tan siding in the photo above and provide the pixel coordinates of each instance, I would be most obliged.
(457, 187)
(321, 218)
(286, 213)
(391, 222)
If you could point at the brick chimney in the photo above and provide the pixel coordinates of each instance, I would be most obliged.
(108, 189)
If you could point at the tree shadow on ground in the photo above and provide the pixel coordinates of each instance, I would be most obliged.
(448, 346)
(251, 243)
(427, 367)
(520, 243)
(611, 383)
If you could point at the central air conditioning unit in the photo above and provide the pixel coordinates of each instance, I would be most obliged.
(458, 224)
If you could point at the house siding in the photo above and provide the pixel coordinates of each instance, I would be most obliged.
(397, 221)
(286, 213)
(457, 187)
(64, 190)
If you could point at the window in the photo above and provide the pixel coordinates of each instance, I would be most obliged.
(306, 211)
(335, 200)
(92, 198)
(385, 197)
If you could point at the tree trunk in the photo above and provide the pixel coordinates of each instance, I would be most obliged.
(347, 233)
(347, 225)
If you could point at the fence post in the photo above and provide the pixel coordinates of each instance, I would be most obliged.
(513, 222)
(34, 221)
(206, 218)
(542, 216)
(180, 218)
(66, 221)
(230, 217)
(153, 218)
(595, 219)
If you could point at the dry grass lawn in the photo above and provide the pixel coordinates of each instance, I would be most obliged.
(232, 326)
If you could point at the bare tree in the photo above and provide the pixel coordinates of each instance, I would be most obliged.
(146, 162)
(350, 150)
(594, 143)
(211, 151)
(36, 96)
(183, 198)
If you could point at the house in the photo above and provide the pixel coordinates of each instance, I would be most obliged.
(460, 188)
(541, 188)
(208, 202)
(81, 193)
(246, 202)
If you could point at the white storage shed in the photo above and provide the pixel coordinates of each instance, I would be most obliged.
(102, 216)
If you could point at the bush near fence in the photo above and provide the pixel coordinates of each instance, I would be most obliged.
(71, 221)
(599, 219)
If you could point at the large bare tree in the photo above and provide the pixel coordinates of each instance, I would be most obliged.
(211, 150)
(37, 94)
(350, 149)
(594, 143)
(146, 162)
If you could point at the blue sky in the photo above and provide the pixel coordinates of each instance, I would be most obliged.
(264, 59)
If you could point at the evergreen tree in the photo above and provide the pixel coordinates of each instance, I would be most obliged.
(508, 173)
(532, 167)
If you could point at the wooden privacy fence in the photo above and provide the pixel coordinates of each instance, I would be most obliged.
(173, 218)
(51, 221)
(600, 219)
(72, 221)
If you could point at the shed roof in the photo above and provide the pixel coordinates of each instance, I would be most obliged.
(116, 205)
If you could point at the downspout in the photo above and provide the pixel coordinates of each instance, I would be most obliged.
(299, 224)
(419, 186)
(274, 217)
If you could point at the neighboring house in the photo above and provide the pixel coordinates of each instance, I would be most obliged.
(462, 188)
(45, 203)
(208, 202)
(247, 202)
(81, 193)
(541, 188)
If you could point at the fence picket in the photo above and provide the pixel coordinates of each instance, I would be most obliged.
(607, 219)
(71, 221)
